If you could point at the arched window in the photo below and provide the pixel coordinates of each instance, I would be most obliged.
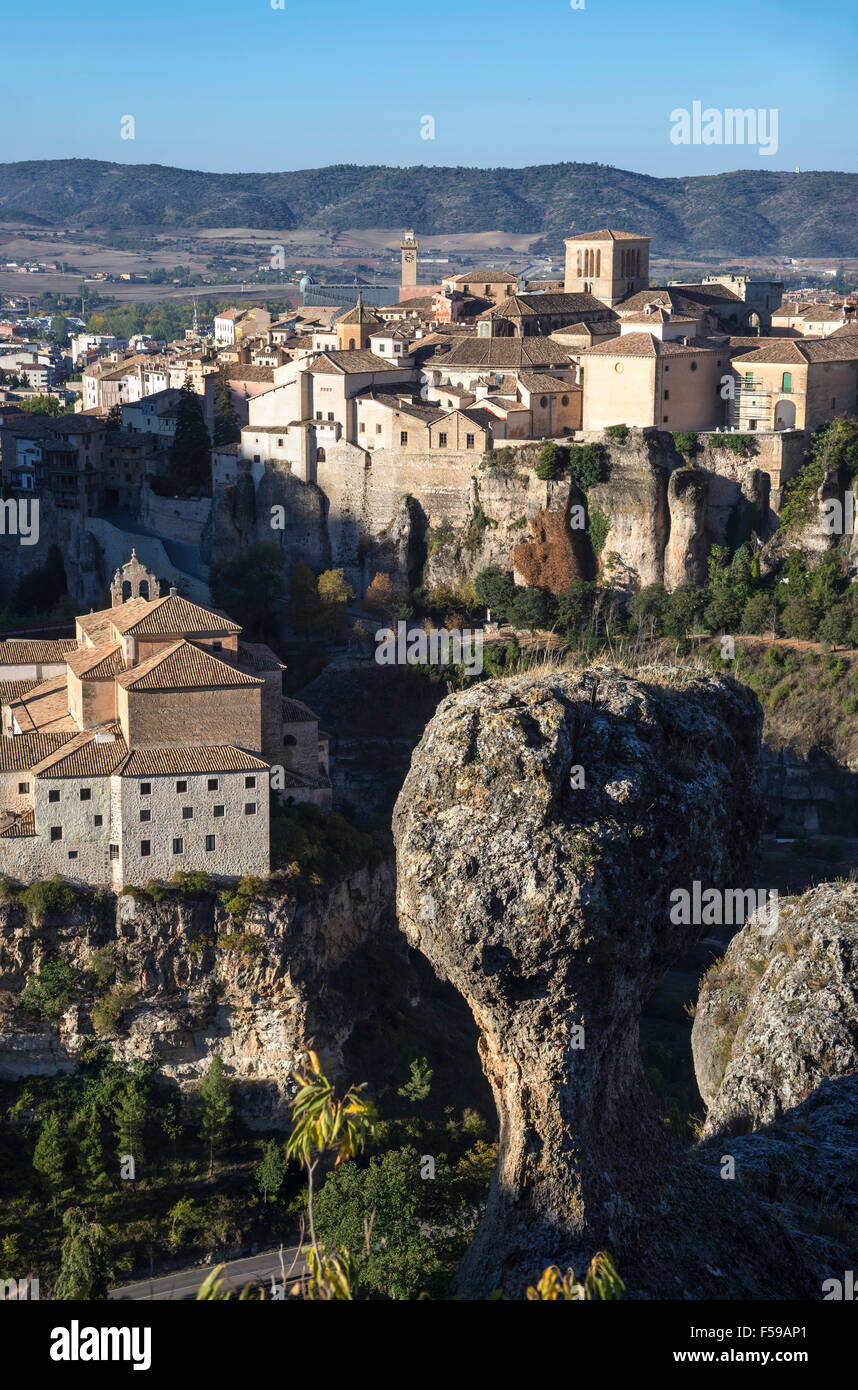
(320, 456)
(289, 740)
(543, 401)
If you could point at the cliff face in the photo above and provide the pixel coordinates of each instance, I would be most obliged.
(750, 1069)
(254, 991)
(545, 902)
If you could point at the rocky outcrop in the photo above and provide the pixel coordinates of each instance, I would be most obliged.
(254, 990)
(539, 834)
(798, 971)
(688, 543)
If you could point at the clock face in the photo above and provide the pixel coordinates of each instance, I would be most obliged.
(409, 256)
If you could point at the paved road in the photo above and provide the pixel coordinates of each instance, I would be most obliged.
(184, 1283)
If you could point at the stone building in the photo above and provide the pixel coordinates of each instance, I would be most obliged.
(795, 383)
(608, 264)
(154, 748)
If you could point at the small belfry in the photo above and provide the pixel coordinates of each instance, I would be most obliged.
(133, 580)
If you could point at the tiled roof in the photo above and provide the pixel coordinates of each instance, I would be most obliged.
(182, 666)
(803, 350)
(294, 712)
(359, 314)
(607, 234)
(19, 827)
(483, 277)
(173, 614)
(642, 345)
(545, 382)
(94, 753)
(708, 294)
(21, 752)
(259, 656)
(98, 626)
(45, 708)
(18, 653)
(168, 762)
(504, 352)
(352, 360)
(96, 663)
(526, 305)
(13, 690)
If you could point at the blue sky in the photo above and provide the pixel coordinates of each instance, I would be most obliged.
(239, 85)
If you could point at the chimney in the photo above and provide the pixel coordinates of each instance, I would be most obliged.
(173, 591)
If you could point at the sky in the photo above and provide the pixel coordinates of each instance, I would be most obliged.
(262, 85)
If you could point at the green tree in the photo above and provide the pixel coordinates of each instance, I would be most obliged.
(646, 609)
(251, 589)
(721, 613)
(800, 618)
(130, 1120)
(836, 625)
(191, 451)
(759, 613)
(586, 464)
(681, 610)
(553, 461)
(227, 429)
(334, 592)
(113, 420)
(531, 608)
(50, 1154)
(495, 589)
(271, 1170)
(215, 1109)
(575, 605)
(419, 1083)
(85, 1268)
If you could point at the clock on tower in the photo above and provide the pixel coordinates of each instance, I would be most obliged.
(408, 247)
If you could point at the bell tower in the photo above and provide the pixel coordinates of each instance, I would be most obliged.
(409, 246)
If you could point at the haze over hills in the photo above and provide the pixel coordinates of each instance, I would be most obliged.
(745, 213)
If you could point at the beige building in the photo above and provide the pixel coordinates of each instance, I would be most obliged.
(153, 751)
(643, 380)
(607, 264)
(795, 383)
(496, 285)
(408, 248)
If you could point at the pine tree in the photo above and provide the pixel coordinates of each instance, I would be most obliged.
(272, 1169)
(130, 1117)
(216, 1108)
(49, 1157)
(226, 427)
(85, 1269)
(191, 450)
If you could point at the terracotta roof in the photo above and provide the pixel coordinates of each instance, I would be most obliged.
(98, 626)
(94, 753)
(167, 762)
(359, 314)
(18, 653)
(259, 656)
(658, 316)
(607, 234)
(847, 330)
(19, 827)
(13, 690)
(504, 352)
(96, 663)
(485, 277)
(708, 294)
(20, 752)
(295, 712)
(526, 305)
(642, 345)
(545, 382)
(352, 360)
(45, 708)
(181, 666)
(804, 350)
(164, 617)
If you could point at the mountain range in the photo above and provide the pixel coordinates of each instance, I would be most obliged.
(744, 213)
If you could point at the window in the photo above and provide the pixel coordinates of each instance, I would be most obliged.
(378, 429)
(218, 811)
(403, 436)
(362, 427)
(187, 813)
(280, 444)
(212, 784)
(145, 788)
(178, 845)
(664, 419)
(289, 740)
(53, 796)
(181, 786)
(56, 832)
(469, 441)
(564, 400)
(98, 820)
(442, 441)
(86, 794)
(543, 401)
(833, 402)
(693, 366)
(250, 781)
(146, 814)
(114, 851)
(786, 381)
(72, 854)
(667, 395)
(145, 848)
(23, 788)
(318, 414)
(330, 415)
(217, 646)
(250, 808)
(210, 842)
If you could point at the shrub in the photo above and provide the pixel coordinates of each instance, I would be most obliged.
(586, 464)
(800, 618)
(49, 994)
(108, 1011)
(686, 443)
(598, 526)
(191, 883)
(531, 608)
(618, 432)
(757, 614)
(553, 462)
(495, 589)
(739, 444)
(48, 895)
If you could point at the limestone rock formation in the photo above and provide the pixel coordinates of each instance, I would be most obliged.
(545, 902)
(688, 543)
(255, 990)
(779, 1013)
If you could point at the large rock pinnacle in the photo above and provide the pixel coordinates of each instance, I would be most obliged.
(540, 831)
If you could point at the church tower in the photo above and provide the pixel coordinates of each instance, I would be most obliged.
(608, 264)
(409, 246)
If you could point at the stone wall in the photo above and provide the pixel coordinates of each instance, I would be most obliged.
(174, 518)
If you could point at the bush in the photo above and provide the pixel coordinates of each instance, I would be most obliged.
(44, 896)
(618, 432)
(49, 994)
(721, 613)
(742, 445)
(191, 883)
(495, 589)
(686, 443)
(108, 1011)
(757, 614)
(800, 618)
(553, 462)
(531, 608)
(598, 526)
(586, 464)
